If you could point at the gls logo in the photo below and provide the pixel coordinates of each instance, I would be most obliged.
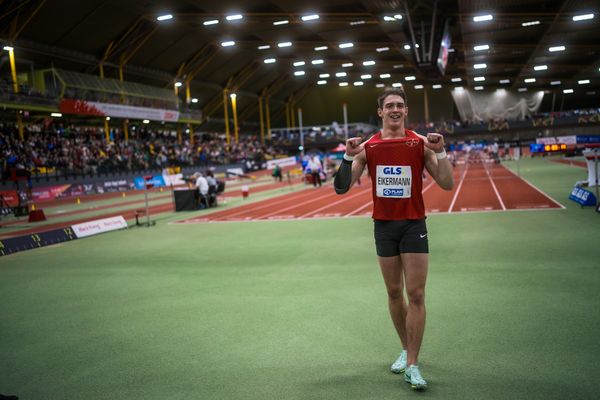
(392, 170)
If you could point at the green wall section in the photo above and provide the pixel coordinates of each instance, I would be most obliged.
(323, 104)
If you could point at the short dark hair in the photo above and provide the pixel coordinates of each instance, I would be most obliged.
(390, 92)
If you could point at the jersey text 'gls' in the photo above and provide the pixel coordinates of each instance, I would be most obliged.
(396, 170)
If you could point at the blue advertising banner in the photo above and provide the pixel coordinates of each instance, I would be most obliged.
(583, 197)
(156, 181)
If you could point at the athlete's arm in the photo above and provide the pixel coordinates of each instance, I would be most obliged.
(350, 171)
(440, 169)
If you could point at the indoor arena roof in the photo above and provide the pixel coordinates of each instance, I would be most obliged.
(280, 47)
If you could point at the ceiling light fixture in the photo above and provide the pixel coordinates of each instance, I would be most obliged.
(540, 67)
(556, 48)
(228, 43)
(567, 91)
(410, 78)
(311, 17)
(284, 44)
(530, 23)
(481, 47)
(368, 63)
(165, 17)
(583, 17)
(481, 18)
(480, 66)
(346, 45)
(269, 60)
(211, 22)
(282, 22)
(320, 48)
(385, 76)
(234, 17)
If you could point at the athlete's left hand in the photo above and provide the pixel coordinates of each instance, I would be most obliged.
(435, 142)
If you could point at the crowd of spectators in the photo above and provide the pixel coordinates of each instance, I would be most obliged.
(83, 150)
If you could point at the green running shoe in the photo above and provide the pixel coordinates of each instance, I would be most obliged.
(413, 376)
(399, 365)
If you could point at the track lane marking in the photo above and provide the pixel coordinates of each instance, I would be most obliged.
(462, 179)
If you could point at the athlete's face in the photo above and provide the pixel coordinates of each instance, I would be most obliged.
(394, 110)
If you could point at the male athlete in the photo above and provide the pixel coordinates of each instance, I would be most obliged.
(395, 158)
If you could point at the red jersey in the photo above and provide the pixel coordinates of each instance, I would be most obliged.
(396, 170)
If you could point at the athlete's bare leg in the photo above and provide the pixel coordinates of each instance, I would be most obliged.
(391, 269)
(415, 267)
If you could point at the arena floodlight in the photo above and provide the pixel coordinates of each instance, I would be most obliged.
(194, 100)
(419, 87)
(55, 114)
(482, 18)
(178, 84)
(8, 48)
(146, 121)
(321, 82)
(380, 85)
(269, 60)
(281, 22)
(210, 22)
(346, 45)
(478, 88)
(311, 17)
(437, 86)
(479, 78)
(583, 81)
(360, 22)
(284, 44)
(340, 74)
(410, 78)
(343, 83)
(530, 23)
(359, 83)
(382, 49)
(583, 17)
(299, 73)
(522, 89)
(480, 66)
(504, 81)
(540, 67)
(385, 76)
(317, 62)
(299, 63)
(368, 63)
(324, 75)
(234, 17)
(228, 43)
(529, 80)
(481, 47)
(320, 48)
(264, 47)
(347, 65)
(366, 76)
(164, 17)
(567, 91)
(556, 48)
(456, 79)
(554, 83)
(407, 47)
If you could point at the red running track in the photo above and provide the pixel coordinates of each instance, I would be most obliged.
(477, 188)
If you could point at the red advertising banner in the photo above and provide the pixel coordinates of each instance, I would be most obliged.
(82, 107)
(10, 198)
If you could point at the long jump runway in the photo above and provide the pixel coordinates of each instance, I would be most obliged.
(477, 189)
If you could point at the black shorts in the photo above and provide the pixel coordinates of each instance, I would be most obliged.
(400, 236)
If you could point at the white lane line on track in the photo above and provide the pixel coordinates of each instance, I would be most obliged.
(462, 179)
(273, 203)
(534, 187)
(311, 200)
(343, 199)
(495, 190)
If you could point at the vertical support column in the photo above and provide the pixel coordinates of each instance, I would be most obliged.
(191, 127)
(301, 132)
(261, 116)
(226, 115)
(20, 126)
(235, 120)
(425, 105)
(293, 115)
(106, 129)
(126, 129)
(179, 133)
(268, 118)
(188, 94)
(345, 109)
(101, 66)
(13, 67)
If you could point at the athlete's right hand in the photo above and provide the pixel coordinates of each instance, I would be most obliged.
(354, 146)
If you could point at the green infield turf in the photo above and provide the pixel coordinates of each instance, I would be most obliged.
(298, 310)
